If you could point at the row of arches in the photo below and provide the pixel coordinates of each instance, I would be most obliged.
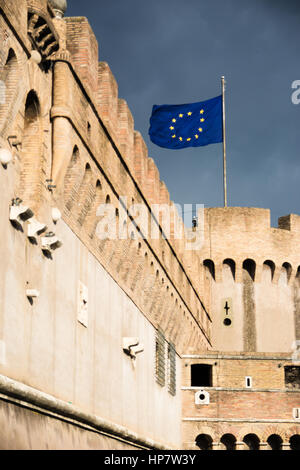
(229, 269)
(250, 442)
(31, 162)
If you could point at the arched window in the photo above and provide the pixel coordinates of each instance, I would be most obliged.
(249, 266)
(298, 277)
(275, 442)
(32, 171)
(210, 267)
(92, 219)
(285, 273)
(86, 194)
(268, 270)
(204, 442)
(72, 181)
(252, 441)
(228, 441)
(228, 269)
(288, 268)
(295, 442)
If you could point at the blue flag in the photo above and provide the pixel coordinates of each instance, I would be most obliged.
(187, 125)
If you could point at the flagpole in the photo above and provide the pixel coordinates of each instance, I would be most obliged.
(224, 142)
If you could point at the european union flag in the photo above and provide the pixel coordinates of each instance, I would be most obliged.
(187, 125)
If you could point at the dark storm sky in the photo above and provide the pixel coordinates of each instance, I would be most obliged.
(175, 51)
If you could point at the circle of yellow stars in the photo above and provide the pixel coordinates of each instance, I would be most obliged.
(180, 116)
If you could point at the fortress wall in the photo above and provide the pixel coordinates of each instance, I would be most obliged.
(135, 285)
(101, 157)
(44, 345)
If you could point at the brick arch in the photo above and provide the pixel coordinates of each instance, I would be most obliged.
(204, 441)
(294, 441)
(92, 218)
(86, 195)
(291, 431)
(275, 442)
(229, 441)
(32, 165)
(273, 430)
(249, 429)
(8, 82)
(252, 440)
(72, 179)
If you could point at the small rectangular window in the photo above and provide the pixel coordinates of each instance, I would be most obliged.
(248, 382)
(201, 375)
(296, 413)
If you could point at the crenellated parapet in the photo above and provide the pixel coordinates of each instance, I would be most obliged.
(89, 154)
(241, 233)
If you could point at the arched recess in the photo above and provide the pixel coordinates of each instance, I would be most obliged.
(86, 195)
(295, 442)
(92, 218)
(252, 442)
(8, 83)
(298, 277)
(204, 442)
(275, 442)
(228, 442)
(229, 269)
(285, 274)
(249, 266)
(32, 176)
(72, 179)
(209, 268)
(268, 271)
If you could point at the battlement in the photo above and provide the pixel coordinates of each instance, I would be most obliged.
(90, 154)
(290, 222)
(242, 233)
(247, 219)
